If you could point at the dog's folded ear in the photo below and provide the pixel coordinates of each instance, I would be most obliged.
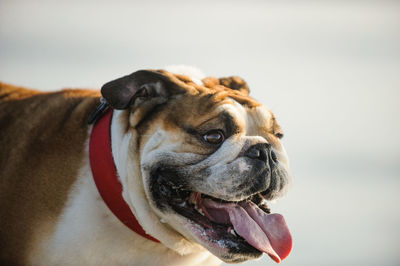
(122, 92)
(235, 83)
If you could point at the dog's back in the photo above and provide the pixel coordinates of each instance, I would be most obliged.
(42, 138)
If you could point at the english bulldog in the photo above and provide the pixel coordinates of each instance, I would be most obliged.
(170, 170)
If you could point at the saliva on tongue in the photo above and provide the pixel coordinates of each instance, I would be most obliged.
(268, 233)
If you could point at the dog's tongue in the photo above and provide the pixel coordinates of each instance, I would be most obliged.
(266, 232)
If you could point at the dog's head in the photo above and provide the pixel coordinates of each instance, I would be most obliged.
(204, 159)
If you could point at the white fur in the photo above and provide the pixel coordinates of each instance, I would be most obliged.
(194, 73)
(87, 233)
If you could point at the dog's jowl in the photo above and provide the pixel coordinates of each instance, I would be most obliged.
(170, 170)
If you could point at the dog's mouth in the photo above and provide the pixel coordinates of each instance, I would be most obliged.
(233, 231)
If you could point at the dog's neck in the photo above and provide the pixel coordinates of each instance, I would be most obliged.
(105, 174)
(130, 176)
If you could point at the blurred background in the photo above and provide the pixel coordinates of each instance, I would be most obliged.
(330, 70)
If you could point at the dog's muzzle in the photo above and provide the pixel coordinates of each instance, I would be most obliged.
(262, 152)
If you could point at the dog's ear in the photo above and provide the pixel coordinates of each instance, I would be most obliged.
(235, 83)
(122, 92)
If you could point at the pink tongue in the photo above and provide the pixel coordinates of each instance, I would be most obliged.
(266, 232)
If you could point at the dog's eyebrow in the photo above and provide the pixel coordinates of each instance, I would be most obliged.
(231, 126)
(224, 118)
(214, 117)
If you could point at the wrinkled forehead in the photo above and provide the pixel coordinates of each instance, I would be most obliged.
(253, 121)
(235, 109)
(236, 117)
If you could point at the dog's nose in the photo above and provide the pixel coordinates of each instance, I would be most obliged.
(261, 151)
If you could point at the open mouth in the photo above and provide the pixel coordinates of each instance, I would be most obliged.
(244, 228)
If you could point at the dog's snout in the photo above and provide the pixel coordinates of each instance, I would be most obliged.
(259, 151)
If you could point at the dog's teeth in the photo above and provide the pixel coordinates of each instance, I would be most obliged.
(233, 232)
(182, 204)
(199, 210)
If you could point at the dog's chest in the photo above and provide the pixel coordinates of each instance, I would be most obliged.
(89, 234)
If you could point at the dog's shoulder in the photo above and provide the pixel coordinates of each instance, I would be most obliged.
(42, 140)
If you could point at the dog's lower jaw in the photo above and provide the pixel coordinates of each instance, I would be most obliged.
(87, 233)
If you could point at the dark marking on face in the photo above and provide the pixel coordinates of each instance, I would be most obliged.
(231, 127)
(235, 83)
(166, 183)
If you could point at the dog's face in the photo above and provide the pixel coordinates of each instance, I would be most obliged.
(210, 157)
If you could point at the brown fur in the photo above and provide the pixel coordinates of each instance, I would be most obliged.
(232, 87)
(42, 138)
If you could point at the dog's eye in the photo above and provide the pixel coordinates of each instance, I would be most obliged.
(214, 137)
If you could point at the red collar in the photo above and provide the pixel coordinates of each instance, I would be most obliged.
(105, 174)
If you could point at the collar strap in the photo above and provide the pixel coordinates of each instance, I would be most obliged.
(105, 174)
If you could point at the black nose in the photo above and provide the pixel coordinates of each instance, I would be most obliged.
(261, 151)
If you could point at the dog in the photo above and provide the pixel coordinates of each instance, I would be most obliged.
(170, 170)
